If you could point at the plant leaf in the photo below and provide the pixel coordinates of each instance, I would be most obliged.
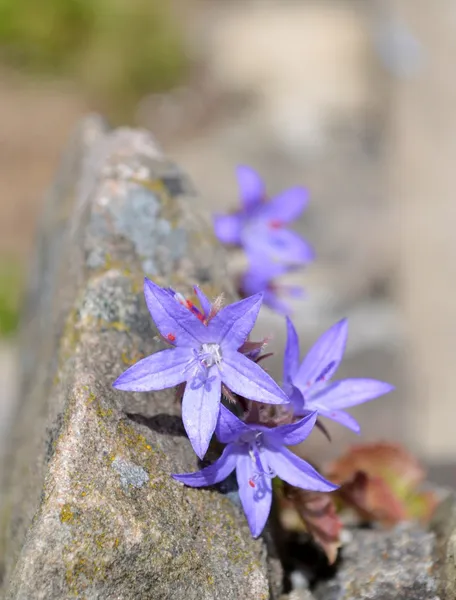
(381, 482)
(317, 513)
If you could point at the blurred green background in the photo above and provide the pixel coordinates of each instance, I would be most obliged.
(118, 50)
(109, 54)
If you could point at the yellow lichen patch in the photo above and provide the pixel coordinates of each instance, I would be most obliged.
(101, 412)
(66, 514)
(153, 185)
(131, 360)
(131, 438)
(91, 398)
(117, 325)
(115, 264)
(71, 333)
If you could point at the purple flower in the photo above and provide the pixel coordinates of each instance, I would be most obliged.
(260, 278)
(259, 225)
(308, 385)
(204, 355)
(258, 454)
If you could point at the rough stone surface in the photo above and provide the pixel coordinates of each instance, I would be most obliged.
(444, 525)
(385, 565)
(90, 510)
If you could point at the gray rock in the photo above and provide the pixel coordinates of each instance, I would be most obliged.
(398, 564)
(90, 509)
(444, 526)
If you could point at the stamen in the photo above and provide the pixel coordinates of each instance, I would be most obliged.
(322, 376)
(171, 337)
(189, 304)
(255, 450)
(275, 224)
(252, 483)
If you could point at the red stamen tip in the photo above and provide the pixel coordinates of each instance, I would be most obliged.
(275, 224)
(171, 337)
(251, 483)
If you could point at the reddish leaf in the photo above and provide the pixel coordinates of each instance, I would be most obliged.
(380, 482)
(317, 513)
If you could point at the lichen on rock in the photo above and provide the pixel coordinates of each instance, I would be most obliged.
(93, 511)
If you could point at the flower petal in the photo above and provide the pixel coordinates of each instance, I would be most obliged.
(228, 228)
(171, 317)
(204, 301)
(297, 472)
(229, 428)
(341, 417)
(251, 187)
(232, 325)
(297, 400)
(295, 433)
(218, 471)
(161, 370)
(272, 301)
(291, 356)
(256, 496)
(350, 392)
(287, 206)
(324, 357)
(280, 245)
(200, 410)
(244, 377)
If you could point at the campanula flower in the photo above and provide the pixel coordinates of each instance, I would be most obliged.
(260, 224)
(308, 385)
(261, 277)
(258, 454)
(204, 354)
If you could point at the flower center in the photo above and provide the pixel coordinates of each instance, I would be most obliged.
(210, 355)
(255, 440)
(262, 472)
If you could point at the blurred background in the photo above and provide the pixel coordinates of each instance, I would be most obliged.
(354, 99)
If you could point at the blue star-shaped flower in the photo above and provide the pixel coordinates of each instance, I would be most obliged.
(258, 454)
(260, 225)
(205, 355)
(261, 277)
(308, 385)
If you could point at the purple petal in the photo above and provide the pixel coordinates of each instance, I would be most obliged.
(200, 410)
(297, 472)
(228, 228)
(171, 317)
(244, 377)
(263, 269)
(161, 370)
(286, 206)
(323, 358)
(229, 428)
(272, 301)
(212, 474)
(232, 325)
(204, 301)
(291, 356)
(280, 245)
(256, 501)
(350, 392)
(295, 433)
(251, 187)
(343, 418)
(296, 399)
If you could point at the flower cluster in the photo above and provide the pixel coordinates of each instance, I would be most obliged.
(211, 354)
(259, 228)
